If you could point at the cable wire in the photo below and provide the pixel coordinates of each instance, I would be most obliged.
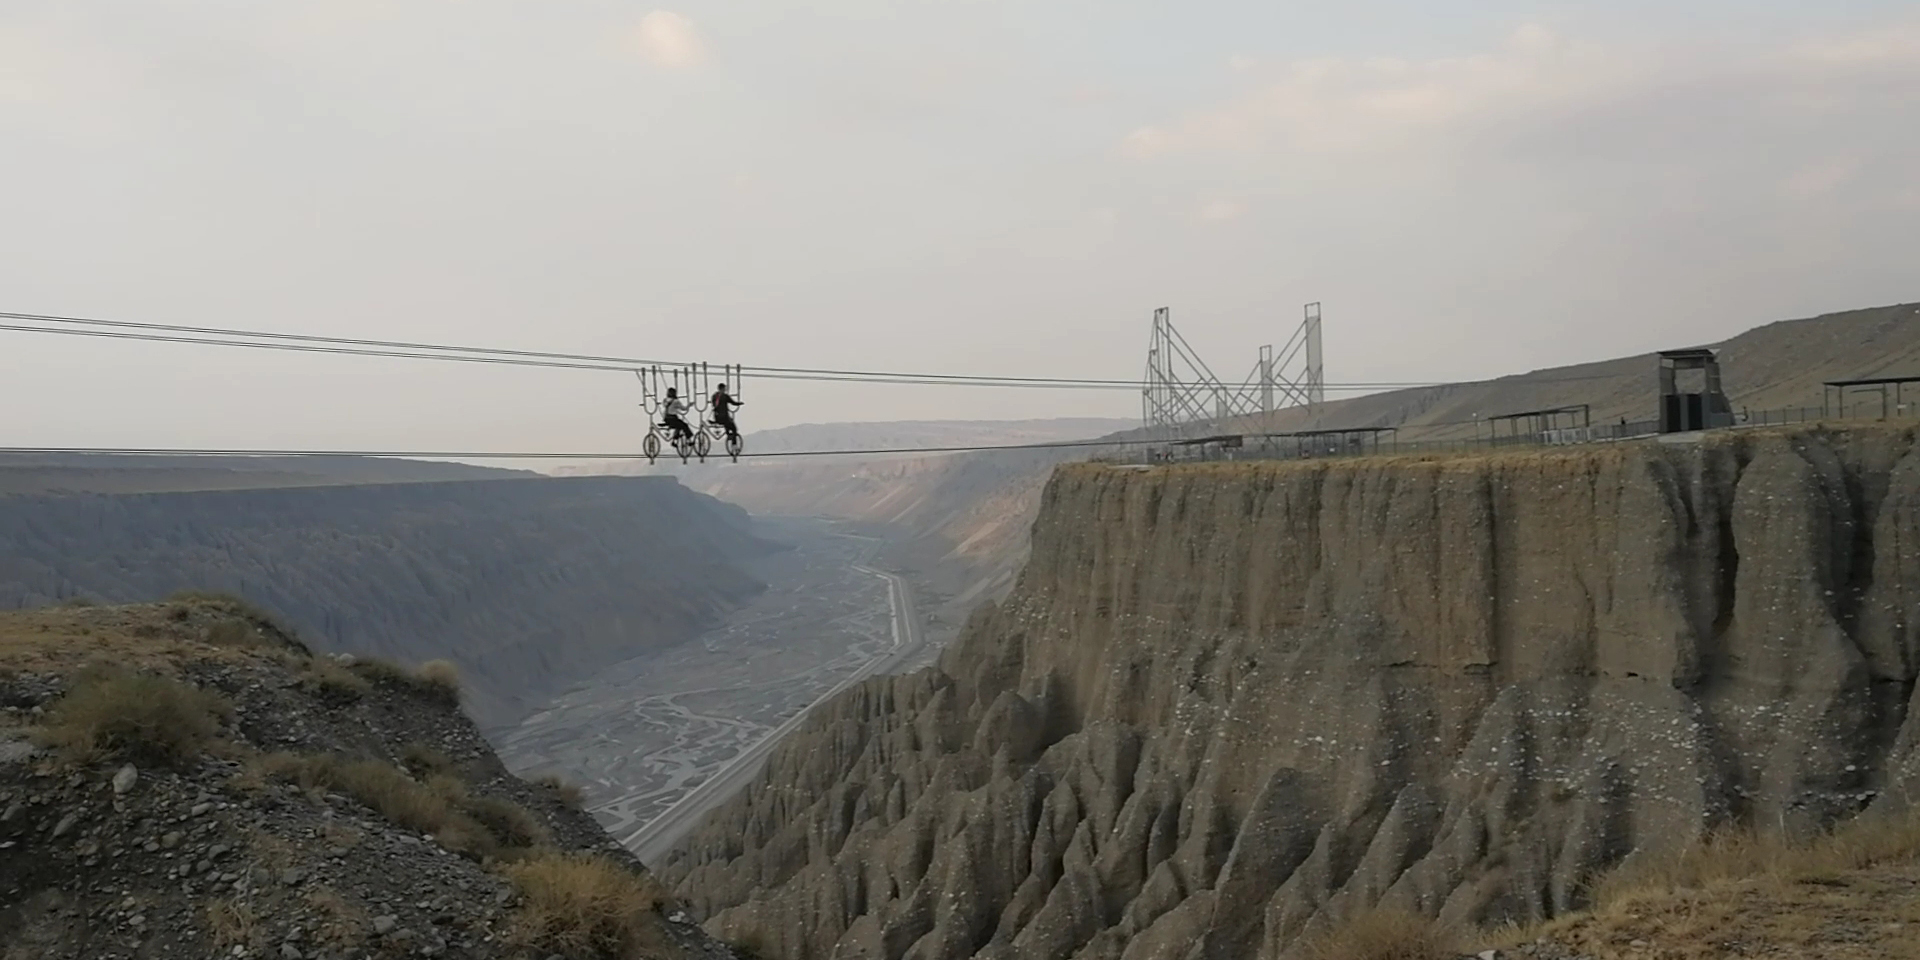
(352, 346)
(499, 455)
(518, 362)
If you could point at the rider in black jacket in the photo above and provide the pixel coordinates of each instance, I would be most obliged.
(723, 405)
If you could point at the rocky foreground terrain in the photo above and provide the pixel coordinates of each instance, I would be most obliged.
(186, 780)
(1230, 710)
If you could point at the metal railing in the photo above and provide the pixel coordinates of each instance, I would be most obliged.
(1363, 442)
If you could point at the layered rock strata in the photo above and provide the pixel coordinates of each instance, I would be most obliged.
(1228, 706)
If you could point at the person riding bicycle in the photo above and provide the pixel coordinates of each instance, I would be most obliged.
(723, 405)
(676, 415)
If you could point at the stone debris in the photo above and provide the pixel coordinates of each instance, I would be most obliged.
(211, 860)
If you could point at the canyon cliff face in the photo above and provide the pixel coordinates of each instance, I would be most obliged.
(527, 585)
(1228, 706)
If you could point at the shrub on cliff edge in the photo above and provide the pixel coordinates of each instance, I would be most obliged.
(1386, 935)
(582, 905)
(1743, 854)
(437, 680)
(479, 827)
(571, 794)
(143, 718)
(333, 684)
(441, 680)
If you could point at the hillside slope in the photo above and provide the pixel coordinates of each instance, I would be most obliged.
(878, 435)
(1782, 364)
(527, 585)
(208, 788)
(93, 473)
(1228, 706)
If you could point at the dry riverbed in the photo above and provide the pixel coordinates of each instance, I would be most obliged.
(644, 732)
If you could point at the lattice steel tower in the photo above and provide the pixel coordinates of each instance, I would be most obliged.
(1181, 395)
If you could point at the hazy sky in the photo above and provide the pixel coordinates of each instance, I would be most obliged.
(971, 186)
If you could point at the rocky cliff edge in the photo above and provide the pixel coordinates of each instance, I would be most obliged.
(1227, 706)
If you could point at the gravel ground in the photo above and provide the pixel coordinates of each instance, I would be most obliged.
(212, 859)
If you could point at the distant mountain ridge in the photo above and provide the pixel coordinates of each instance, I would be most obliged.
(932, 433)
(527, 585)
(1781, 364)
(875, 436)
(32, 473)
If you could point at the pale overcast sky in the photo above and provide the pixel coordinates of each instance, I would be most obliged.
(971, 186)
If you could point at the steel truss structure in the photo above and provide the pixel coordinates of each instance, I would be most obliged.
(1179, 392)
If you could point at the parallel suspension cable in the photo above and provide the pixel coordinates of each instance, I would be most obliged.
(520, 362)
(500, 455)
(352, 346)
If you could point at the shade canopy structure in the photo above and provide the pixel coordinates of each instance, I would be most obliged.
(1834, 401)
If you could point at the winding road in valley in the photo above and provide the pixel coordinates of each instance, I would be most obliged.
(658, 741)
(659, 834)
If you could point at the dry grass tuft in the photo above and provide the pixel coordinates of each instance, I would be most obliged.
(398, 798)
(586, 906)
(231, 602)
(509, 822)
(423, 759)
(1744, 854)
(331, 683)
(446, 785)
(1738, 893)
(272, 852)
(382, 671)
(234, 924)
(441, 679)
(342, 924)
(437, 680)
(568, 793)
(147, 719)
(235, 632)
(145, 638)
(479, 827)
(752, 946)
(1387, 935)
(247, 625)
